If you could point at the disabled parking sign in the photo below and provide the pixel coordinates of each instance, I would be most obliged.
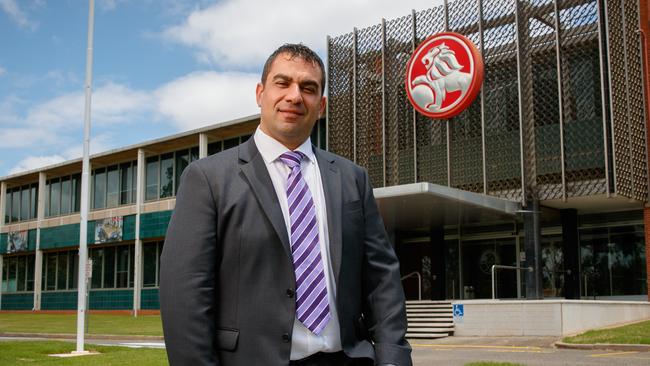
(459, 312)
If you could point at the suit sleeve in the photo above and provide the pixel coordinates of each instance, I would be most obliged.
(187, 277)
(385, 302)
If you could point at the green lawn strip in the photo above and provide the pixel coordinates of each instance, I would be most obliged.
(148, 325)
(638, 333)
(36, 353)
(493, 364)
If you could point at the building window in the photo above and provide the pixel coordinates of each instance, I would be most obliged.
(166, 175)
(65, 195)
(112, 186)
(112, 267)
(152, 178)
(99, 188)
(18, 273)
(151, 265)
(62, 196)
(21, 203)
(60, 270)
(128, 182)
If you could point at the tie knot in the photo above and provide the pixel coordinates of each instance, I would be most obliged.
(292, 158)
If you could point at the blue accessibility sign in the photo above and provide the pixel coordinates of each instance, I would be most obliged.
(459, 311)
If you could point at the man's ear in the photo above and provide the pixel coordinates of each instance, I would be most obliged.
(323, 104)
(258, 93)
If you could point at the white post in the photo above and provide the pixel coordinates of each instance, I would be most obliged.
(139, 200)
(85, 185)
(203, 146)
(3, 205)
(38, 260)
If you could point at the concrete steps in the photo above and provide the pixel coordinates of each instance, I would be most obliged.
(429, 319)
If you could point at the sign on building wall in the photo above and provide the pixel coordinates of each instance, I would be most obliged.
(17, 241)
(444, 75)
(108, 230)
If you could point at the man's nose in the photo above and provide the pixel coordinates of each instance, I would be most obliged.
(294, 94)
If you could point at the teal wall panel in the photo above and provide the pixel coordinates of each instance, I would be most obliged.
(31, 240)
(60, 236)
(59, 300)
(3, 243)
(111, 299)
(22, 301)
(128, 228)
(154, 224)
(149, 299)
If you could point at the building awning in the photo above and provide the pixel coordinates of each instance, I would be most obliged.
(423, 205)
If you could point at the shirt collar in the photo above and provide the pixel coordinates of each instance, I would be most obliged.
(271, 149)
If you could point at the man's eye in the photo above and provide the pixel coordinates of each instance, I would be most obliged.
(309, 90)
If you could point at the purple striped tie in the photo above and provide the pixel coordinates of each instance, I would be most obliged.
(312, 306)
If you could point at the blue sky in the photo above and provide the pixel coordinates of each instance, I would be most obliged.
(160, 66)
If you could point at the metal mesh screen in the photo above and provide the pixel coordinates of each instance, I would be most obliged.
(500, 90)
(399, 112)
(582, 100)
(369, 103)
(626, 98)
(549, 119)
(466, 146)
(340, 102)
(431, 134)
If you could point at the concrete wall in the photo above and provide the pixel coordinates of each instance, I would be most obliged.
(545, 317)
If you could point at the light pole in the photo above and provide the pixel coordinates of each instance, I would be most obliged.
(85, 185)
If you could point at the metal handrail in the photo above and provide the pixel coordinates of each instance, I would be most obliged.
(419, 282)
(498, 266)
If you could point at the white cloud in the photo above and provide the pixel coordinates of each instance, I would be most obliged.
(13, 10)
(236, 33)
(111, 103)
(34, 162)
(2, 70)
(203, 98)
(99, 143)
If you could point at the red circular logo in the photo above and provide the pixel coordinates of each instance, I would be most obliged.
(444, 75)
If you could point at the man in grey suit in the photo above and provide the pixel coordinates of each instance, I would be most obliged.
(276, 253)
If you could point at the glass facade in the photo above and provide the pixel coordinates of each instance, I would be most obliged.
(151, 264)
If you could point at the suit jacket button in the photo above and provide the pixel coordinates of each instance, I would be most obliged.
(290, 292)
(286, 338)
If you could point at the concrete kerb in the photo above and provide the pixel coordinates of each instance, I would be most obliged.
(88, 336)
(605, 346)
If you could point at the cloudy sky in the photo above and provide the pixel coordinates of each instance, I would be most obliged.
(160, 66)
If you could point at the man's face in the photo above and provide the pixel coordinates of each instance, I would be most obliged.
(290, 100)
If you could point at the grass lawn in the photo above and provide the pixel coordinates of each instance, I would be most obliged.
(638, 333)
(148, 325)
(36, 353)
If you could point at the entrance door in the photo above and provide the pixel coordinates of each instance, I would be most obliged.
(478, 258)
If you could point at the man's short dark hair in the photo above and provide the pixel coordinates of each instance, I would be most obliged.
(296, 50)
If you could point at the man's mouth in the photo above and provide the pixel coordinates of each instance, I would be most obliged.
(292, 111)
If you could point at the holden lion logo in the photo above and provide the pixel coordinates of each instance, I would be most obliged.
(444, 75)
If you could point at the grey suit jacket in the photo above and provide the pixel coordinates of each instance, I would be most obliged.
(227, 279)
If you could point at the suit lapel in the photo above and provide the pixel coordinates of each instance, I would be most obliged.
(254, 168)
(331, 179)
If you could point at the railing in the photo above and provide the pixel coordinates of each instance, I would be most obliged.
(498, 266)
(416, 273)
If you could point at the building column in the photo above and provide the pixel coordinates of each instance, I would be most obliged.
(203, 145)
(646, 229)
(139, 263)
(571, 253)
(38, 260)
(3, 204)
(436, 253)
(533, 250)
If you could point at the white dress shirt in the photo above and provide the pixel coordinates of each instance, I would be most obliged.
(303, 341)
